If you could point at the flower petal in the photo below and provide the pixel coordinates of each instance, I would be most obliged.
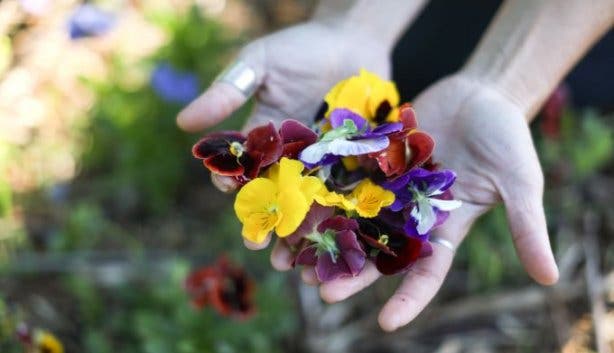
(314, 153)
(421, 147)
(407, 116)
(307, 256)
(406, 255)
(266, 141)
(328, 269)
(215, 143)
(293, 207)
(445, 205)
(357, 147)
(224, 164)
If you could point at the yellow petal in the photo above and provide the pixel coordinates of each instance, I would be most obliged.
(370, 198)
(258, 195)
(311, 186)
(258, 225)
(293, 208)
(350, 163)
(289, 173)
(333, 199)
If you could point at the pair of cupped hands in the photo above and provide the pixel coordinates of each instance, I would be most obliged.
(480, 133)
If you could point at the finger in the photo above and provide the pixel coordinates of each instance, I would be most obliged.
(221, 99)
(527, 220)
(417, 289)
(343, 288)
(281, 256)
(257, 246)
(425, 278)
(308, 275)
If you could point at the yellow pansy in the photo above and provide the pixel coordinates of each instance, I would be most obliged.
(364, 94)
(367, 199)
(47, 342)
(280, 201)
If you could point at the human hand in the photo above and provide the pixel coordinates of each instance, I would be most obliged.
(485, 139)
(294, 69)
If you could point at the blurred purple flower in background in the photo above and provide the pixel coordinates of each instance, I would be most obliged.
(174, 86)
(89, 21)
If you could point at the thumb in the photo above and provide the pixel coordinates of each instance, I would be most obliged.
(527, 220)
(221, 99)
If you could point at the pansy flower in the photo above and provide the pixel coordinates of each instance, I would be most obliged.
(391, 250)
(366, 199)
(224, 286)
(295, 137)
(350, 135)
(89, 21)
(366, 95)
(333, 248)
(232, 154)
(425, 194)
(408, 148)
(277, 202)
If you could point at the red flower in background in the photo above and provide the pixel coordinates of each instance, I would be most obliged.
(224, 286)
(408, 148)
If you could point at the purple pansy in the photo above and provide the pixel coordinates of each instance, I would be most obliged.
(174, 86)
(333, 248)
(89, 21)
(351, 135)
(425, 198)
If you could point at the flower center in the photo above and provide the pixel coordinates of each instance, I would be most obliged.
(383, 239)
(417, 195)
(325, 243)
(236, 149)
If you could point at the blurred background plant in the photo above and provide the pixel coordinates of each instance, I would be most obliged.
(103, 211)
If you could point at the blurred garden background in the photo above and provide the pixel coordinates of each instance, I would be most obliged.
(104, 212)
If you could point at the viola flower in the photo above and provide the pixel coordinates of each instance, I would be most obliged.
(174, 86)
(427, 197)
(224, 286)
(295, 137)
(391, 249)
(367, 95)
(333, 249)
(367, 199)
(232, 154)
(408, 148)
(351, 135)
(89, 21)
(277, 202)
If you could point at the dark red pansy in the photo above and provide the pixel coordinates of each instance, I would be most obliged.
(222, 152)
(224, 286)
(408, 148)
(231, 154)
(295, 138)
(392, 250)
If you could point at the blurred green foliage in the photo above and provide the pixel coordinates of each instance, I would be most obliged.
(137, 154)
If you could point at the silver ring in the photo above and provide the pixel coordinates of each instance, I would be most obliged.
(443, 242)
(241, 76)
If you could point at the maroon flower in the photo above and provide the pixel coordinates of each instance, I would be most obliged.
(229, 153)
(333, 249)
(391, 250)
(224, 286)
(408, 148)
(295, 137)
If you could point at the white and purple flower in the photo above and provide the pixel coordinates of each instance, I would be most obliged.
(351, 135)
(426, 195)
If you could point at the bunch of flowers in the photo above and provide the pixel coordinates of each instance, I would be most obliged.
(357, 185)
